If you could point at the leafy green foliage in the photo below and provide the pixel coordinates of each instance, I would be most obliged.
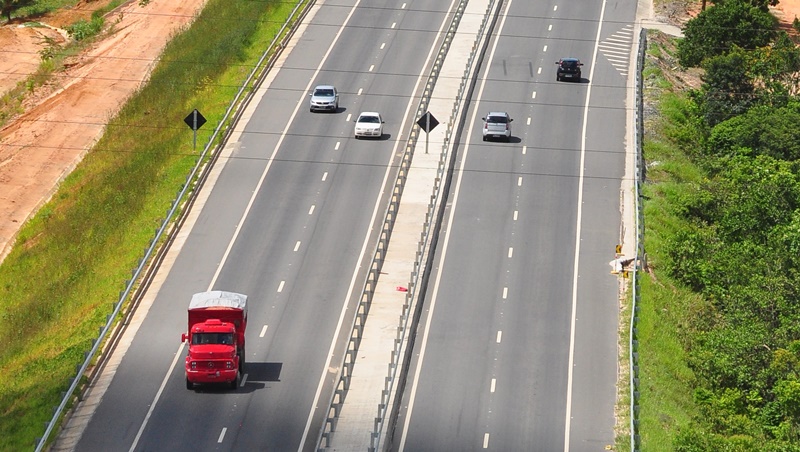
(727, 89)
(760, 131)
(719, 28)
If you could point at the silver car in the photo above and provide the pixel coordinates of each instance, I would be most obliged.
(497, 124)
(369, 124)
(324, 97)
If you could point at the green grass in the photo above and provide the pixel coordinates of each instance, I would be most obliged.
(71, 261)
(666, 382)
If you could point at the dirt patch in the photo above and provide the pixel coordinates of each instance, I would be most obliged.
(64, 119)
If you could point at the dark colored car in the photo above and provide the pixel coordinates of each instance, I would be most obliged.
(569, 69)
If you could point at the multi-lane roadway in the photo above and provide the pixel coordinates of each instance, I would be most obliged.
(517, 350)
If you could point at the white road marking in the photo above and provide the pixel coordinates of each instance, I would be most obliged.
(494, 384)
(486, 441)
(371, 67)
(336, 147)
(539, 71)
(510, 252)
(222, 434)
(555, 7)
(324, 376)
(311, 210)
(280, 286)
(394, 24)
(544, 49)
(519, 181)
(403, 7)
(383, 45)
(516, 212)
(550, 27)
(238, 230)
(324, 176)
(505, 293)
(244, 380)
(297, 246)
(360, 90)
(499, 336)
(350, 115)
(263, 331)
(582, 168)
(524, 150)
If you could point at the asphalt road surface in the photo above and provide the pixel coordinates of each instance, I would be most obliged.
(517, 346)
(291, 222)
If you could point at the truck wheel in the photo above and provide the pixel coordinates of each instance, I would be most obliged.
(189, 384)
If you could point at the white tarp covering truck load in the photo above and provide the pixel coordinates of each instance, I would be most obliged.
(217, 322)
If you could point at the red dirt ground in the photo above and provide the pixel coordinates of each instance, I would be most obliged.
(62, 120)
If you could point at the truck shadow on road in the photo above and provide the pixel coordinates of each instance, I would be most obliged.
(260, 374)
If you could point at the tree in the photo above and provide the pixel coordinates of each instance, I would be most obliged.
(727, 90)
(717, 29)
(7, 7)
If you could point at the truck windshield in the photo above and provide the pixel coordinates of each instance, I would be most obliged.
(212, 338)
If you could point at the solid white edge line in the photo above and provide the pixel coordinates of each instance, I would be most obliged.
(424, 345)
(242, 220)
(372, 221)
(571, 363)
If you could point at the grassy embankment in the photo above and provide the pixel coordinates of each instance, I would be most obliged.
(665, 379)
(71, 261)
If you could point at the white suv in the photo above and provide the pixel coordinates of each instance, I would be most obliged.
(497, 124)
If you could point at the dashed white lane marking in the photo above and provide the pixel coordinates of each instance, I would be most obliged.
(222, 434)
(324, 176)
(499, 336)
(383, 45)
(519, 181)
(494, 384)
(297, 246)
(350, 115)
(550, 27)
(336, 148)
(510, 251)
(263, 331)
(280, 286)
(505, 293)
(311, 210)
(371, 67)
(544, 49)
(524, 150)
(394, 24)
(244, 380)
(486, 441)
(555, 7)
(539, 71)
(516, 212)
(360, 90)
(403, 7)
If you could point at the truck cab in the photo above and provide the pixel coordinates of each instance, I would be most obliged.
(217, 322)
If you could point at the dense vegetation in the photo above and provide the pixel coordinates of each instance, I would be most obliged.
(71, 261)
(722, 209)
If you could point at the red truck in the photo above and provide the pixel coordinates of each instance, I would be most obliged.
(217, 322)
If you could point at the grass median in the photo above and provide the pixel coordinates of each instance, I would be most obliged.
(70, 262)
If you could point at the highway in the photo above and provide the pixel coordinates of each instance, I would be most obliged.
(517, 346)
(289, 218)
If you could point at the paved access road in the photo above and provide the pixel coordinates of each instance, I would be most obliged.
(517, 347)
(291, 221)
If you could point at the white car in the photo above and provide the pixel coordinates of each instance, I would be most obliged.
(497, 124)
(369, 124)
(324, 97)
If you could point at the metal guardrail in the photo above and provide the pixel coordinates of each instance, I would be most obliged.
(641, 263)
(348, 363)
(424, 244)
(175, 216)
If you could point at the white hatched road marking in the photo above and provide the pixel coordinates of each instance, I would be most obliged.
(616, 48)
